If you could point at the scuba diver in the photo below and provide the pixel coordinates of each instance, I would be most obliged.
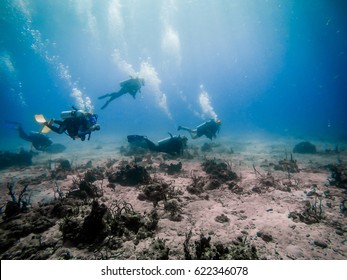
(172, 145)
(76, 124)
(131, 86)
(209, 129)
(39, 141)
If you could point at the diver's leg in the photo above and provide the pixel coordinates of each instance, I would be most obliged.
(184, 128)
(105, 105)
(118, 94)
(104, 96)
(60, 129)
(192, 132)
(151, 145)
(23, 134)
(113, 95)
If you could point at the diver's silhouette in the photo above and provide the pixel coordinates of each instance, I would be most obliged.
(131, 86)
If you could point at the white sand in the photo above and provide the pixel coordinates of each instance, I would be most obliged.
(250, 213)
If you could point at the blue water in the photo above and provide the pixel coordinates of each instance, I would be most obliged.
(269, 65)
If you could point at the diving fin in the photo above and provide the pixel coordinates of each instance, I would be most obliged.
(45, 129)
(41, 119)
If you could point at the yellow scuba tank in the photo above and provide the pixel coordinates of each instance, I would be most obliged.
(72, 114)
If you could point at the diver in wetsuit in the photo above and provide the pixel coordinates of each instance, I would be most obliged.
(172, 145)
(39, 141)
(209, 129)
(131, 86)
(75, 123)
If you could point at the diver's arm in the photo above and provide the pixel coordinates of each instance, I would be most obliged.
(215, 131)
(218, 130)
(138, 85)
(193, 136)
(133, 93)
(82, 133)
(193, 133)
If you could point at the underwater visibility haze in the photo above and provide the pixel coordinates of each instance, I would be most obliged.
(253, 93)
(266, 65)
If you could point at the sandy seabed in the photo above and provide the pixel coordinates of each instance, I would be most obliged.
(236, 200)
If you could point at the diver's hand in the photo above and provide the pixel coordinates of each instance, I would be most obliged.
(95, 127)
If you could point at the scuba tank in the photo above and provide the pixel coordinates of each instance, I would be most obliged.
(203, 125)
(124, 83)
(127, 82)
(172, 145)
(207, 127)
(72, 114)
(166, 140)
(132, 82)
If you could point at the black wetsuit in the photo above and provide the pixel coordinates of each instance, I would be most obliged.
(131, 86)
(77, 127)
(38, 140)
(209, 129)
(173, 145)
